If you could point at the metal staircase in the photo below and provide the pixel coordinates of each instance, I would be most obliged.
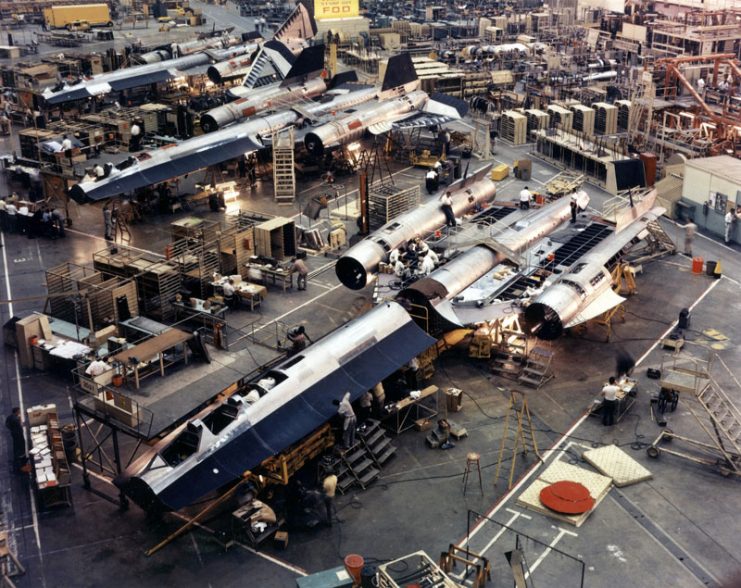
(284, 169)
(537, 370)
(358, 466)
(723, 430)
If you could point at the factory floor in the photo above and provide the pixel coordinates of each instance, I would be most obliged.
(677, 529)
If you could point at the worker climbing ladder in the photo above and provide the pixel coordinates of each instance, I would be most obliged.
(284, 169)
(524, 435)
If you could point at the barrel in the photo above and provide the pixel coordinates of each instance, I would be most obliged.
(697, 263)
(710, 267)
(69, 442)
(354, 565)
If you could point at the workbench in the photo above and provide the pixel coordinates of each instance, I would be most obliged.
(408, 410)
(251, 293)
(626, 398)
(274, 273)
(150, 350)
(217, 310)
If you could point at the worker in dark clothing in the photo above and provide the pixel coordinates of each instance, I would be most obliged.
(624, 363)
(13, 422)
(298, 337)
(574, 208)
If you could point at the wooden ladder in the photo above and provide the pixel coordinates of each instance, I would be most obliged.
(524, 438)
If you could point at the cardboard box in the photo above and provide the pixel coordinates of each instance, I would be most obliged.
(423, 424)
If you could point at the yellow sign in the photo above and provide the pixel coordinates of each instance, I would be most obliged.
(324, 9)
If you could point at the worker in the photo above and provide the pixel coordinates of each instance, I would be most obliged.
(349, 421)
(298, 337)
(365, 404)
(229, 291)
(446, 203)
(3, 215)
(107, 222)
(689, 237)
(252, 397)
(99, 171)
(432, 181)
(393, 257)
(300, 268)
(379, 397)
(624, 363)
(574, 208)
(525, 198)
(433, 256)
(11, 212)
(13, 422)
(329, 485)
(700, 86)
(57, 221)
(427, 265)
(401, 271)
(23, 220)
(729, 219)
(609, 395)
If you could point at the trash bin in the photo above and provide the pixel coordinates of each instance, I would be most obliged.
(710, 267)
(454, 399)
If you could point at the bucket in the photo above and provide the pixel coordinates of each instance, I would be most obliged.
(354, 565)
(710, 267)
(697, 263)
(539, 198)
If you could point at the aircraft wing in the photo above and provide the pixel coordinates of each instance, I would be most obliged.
(604, 302)
(419, 120)
(99, 88)
(160, 167)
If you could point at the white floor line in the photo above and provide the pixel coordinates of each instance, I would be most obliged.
(286, 565)
(21, 405)
(82, 234)
(503, 500)
(285, 314)
(547, 550)
(674, 324)
(515, 515)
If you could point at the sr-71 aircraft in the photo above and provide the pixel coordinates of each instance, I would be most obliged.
(292, 35)
(252, 135)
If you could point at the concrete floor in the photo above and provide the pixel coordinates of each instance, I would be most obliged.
(418, 503)
(678, 529)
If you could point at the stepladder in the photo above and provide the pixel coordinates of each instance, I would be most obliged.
(518, 426)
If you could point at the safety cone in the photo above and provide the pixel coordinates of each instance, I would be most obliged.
(718, 271)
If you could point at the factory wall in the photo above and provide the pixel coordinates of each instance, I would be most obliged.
(703, 190)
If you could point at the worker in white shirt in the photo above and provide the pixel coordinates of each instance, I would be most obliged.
(700, 86)
(525, 197)
(446, 203)
(393, 257)
(729, 219)
(432, 181)
(609, 394)
(11, 211)
(349, 420)
(426, 266)
(67, 148)
(229, 290)
(400, 270)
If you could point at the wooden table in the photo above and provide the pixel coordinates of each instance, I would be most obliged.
(406, 406)
(284, 275)
(153, 348)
